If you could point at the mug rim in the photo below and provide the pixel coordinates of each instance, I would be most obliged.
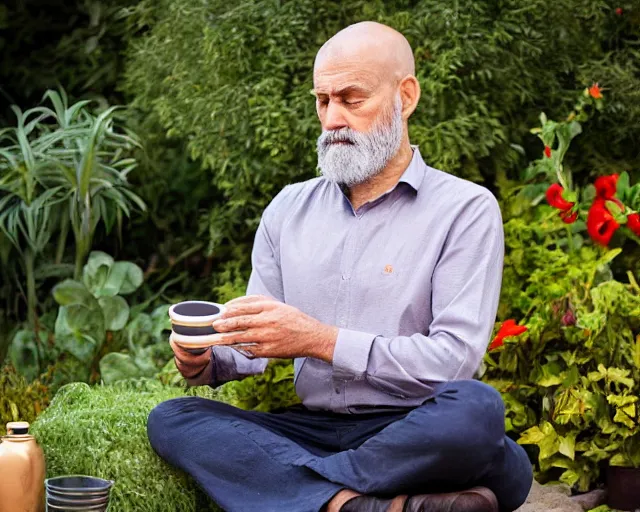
(195, 321)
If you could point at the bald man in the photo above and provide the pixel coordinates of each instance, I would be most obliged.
(381, 279)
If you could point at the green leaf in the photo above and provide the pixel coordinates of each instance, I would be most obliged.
(96, 272)
(116, 312)
(622, 185)
(116, 366)
(567, 445)
(569, 477)
(132, 276)
(80, 331)
(73, 292)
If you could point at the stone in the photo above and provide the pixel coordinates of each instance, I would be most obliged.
(551, 498)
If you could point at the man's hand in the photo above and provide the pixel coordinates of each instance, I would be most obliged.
(278, 330)
(190, 365)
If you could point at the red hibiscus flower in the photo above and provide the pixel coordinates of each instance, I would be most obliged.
(547, 151)
(606, 186)
(568, 217)
(595, 92)
(619, 11)
(508, 328)
(633, 223)
(554, 198)
(600, 223)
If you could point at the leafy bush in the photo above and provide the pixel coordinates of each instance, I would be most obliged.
(234, 84)
(571, 381)
(19, 399)
(61, 169)
(101, 431)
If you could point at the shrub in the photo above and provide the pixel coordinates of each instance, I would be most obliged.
(19, 399)
(234, 83)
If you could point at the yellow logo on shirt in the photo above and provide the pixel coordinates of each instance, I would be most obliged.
(388, 269)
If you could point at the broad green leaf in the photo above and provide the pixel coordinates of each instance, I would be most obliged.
(96, 272)
(80, 331)
(115, 311)
(569, 477)
(619, 459)
(117, 366)
(567, 445)
(73, 292)
(133, 276)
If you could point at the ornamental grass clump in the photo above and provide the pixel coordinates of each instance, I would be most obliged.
(101, 431)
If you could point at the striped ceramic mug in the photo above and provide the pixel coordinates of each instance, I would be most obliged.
(191, 324)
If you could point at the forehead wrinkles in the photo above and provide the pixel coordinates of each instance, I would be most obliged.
(332, 80)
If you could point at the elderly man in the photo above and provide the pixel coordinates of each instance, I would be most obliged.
(381, 279)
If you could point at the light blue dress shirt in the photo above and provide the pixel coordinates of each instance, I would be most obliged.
(412, 279)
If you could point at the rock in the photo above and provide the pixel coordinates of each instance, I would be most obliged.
(552, 498)
(590, 499)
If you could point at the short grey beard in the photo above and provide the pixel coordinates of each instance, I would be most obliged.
(366, 155)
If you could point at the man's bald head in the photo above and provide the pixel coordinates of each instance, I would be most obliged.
(365, 91)
(371, 43)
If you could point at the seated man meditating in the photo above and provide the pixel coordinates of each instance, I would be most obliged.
(381, 279)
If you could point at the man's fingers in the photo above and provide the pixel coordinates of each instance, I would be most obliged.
(248, 299)
(188, 358)
(245, 308)
(237, 323)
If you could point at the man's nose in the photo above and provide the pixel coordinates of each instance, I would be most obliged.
(334, 117)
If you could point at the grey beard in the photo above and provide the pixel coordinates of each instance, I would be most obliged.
(361, 156)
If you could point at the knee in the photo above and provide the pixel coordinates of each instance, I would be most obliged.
(476, 425)
(163, 424)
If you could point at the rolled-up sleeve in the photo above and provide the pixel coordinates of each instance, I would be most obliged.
(466, 286)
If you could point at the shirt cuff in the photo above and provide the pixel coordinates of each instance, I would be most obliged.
(351, 354)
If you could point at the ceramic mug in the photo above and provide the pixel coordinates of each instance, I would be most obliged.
(191, 324)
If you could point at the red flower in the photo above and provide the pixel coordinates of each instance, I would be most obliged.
(606, 186)
(568, 318)
(508, 328)
(554, 198)
(547, 151)
(619, 11)
(568, 217)
(594, 92)
(600, 223)
(633, 223)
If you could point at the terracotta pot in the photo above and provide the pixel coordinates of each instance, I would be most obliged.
(623, 486)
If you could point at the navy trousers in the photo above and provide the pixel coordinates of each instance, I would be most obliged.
(296, 460)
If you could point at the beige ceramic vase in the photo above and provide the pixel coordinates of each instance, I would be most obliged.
(22, 471)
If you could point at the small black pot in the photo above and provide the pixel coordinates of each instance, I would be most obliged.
(623, 488)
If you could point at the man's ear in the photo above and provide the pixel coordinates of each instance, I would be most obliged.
(409, 94)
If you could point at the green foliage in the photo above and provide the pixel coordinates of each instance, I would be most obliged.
(570, 383)
(59, 168)
(270, 390)
(101, 431)
(19, 399)
(90, 309)
(77, 44)
(234, 83)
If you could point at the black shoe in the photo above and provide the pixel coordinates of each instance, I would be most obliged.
(478, 499)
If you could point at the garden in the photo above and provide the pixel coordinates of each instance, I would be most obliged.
(140, 141)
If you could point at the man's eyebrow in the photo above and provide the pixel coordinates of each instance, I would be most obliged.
(341, 92)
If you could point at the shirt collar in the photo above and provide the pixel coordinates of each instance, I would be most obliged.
(414, 174)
